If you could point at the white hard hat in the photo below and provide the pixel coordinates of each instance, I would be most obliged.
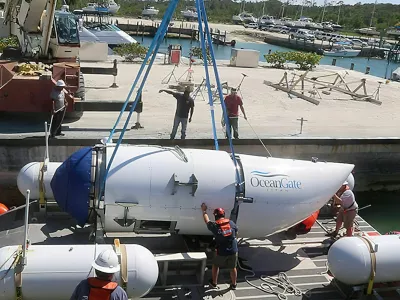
(107, 262)
(60, 83)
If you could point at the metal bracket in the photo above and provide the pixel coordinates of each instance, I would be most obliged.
(244, 199)
(193, 182)
(125, 222)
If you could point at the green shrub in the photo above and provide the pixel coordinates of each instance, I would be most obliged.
(305, 60)
(197, 52)
(277, 59)
(131, 51)
(11, 41)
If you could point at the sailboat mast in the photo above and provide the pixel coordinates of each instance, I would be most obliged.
(323, 12)
(373, 13)
(301, 11)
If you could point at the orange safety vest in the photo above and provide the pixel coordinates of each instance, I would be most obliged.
(305, 226)
(225, 226)
(100, 289)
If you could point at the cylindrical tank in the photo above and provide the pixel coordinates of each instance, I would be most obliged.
(53, 271)
(349, 259)
(28, 179)
(3, 209)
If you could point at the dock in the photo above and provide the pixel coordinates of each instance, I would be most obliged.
(180, 30)
(338, 129)
(303, 260)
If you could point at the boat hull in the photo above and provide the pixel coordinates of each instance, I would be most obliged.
(353, 53)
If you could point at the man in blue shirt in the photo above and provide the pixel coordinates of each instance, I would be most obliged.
(225, 232)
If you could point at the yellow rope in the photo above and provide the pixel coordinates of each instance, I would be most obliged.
(41, 189)
(373, 264)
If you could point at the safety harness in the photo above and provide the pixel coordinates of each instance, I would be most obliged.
(225, 226)
(100, 289)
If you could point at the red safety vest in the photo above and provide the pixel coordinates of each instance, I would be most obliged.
(100, 289)
(225, 226)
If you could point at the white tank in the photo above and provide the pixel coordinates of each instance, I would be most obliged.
(29, 175)
(349, 259)
(53, 271)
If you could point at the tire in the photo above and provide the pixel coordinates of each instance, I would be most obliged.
(80, 93)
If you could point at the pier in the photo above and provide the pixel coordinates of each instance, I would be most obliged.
(318, 46)
(183, 30)
(302, 259)
(338, 129)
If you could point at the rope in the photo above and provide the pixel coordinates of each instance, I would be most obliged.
(157, 41)
(149, 52)
(205, 59)
(266, 149)
(281, 282)
(214, 64)
(18, 255)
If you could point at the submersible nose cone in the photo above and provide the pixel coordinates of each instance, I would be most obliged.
(71, 185)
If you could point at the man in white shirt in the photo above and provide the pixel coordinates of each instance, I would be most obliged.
(348, 210)
(59, 108)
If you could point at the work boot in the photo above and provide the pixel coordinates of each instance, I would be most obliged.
(212, 284)
(137, 126)
(332, 234)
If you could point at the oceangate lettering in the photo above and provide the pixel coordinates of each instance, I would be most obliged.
(283, 183)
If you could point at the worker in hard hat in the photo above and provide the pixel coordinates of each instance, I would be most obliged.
(59, 108)
(184, 111)
(101, 287)
(348, 210)
(225, 233)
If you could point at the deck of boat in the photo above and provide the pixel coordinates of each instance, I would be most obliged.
(303, 260)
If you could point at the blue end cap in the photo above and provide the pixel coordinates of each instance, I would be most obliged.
(71, 185)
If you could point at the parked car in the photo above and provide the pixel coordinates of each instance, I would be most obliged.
(267, 27)
(280, 29)
(251, 25)
(303, 34)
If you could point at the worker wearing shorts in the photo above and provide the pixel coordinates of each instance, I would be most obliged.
(225, 233)
(348, 210)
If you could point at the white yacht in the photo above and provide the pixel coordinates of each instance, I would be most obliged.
(267, 20)
(342, 51)
(110, 7)
(99, 27)
(244, 17)
(190, 13)
(150, 11)
(369, 30)
(327, 26)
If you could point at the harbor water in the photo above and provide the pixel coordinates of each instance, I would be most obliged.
(378, 67)
(383, 214)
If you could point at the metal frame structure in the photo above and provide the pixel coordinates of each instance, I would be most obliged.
(339, 84)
